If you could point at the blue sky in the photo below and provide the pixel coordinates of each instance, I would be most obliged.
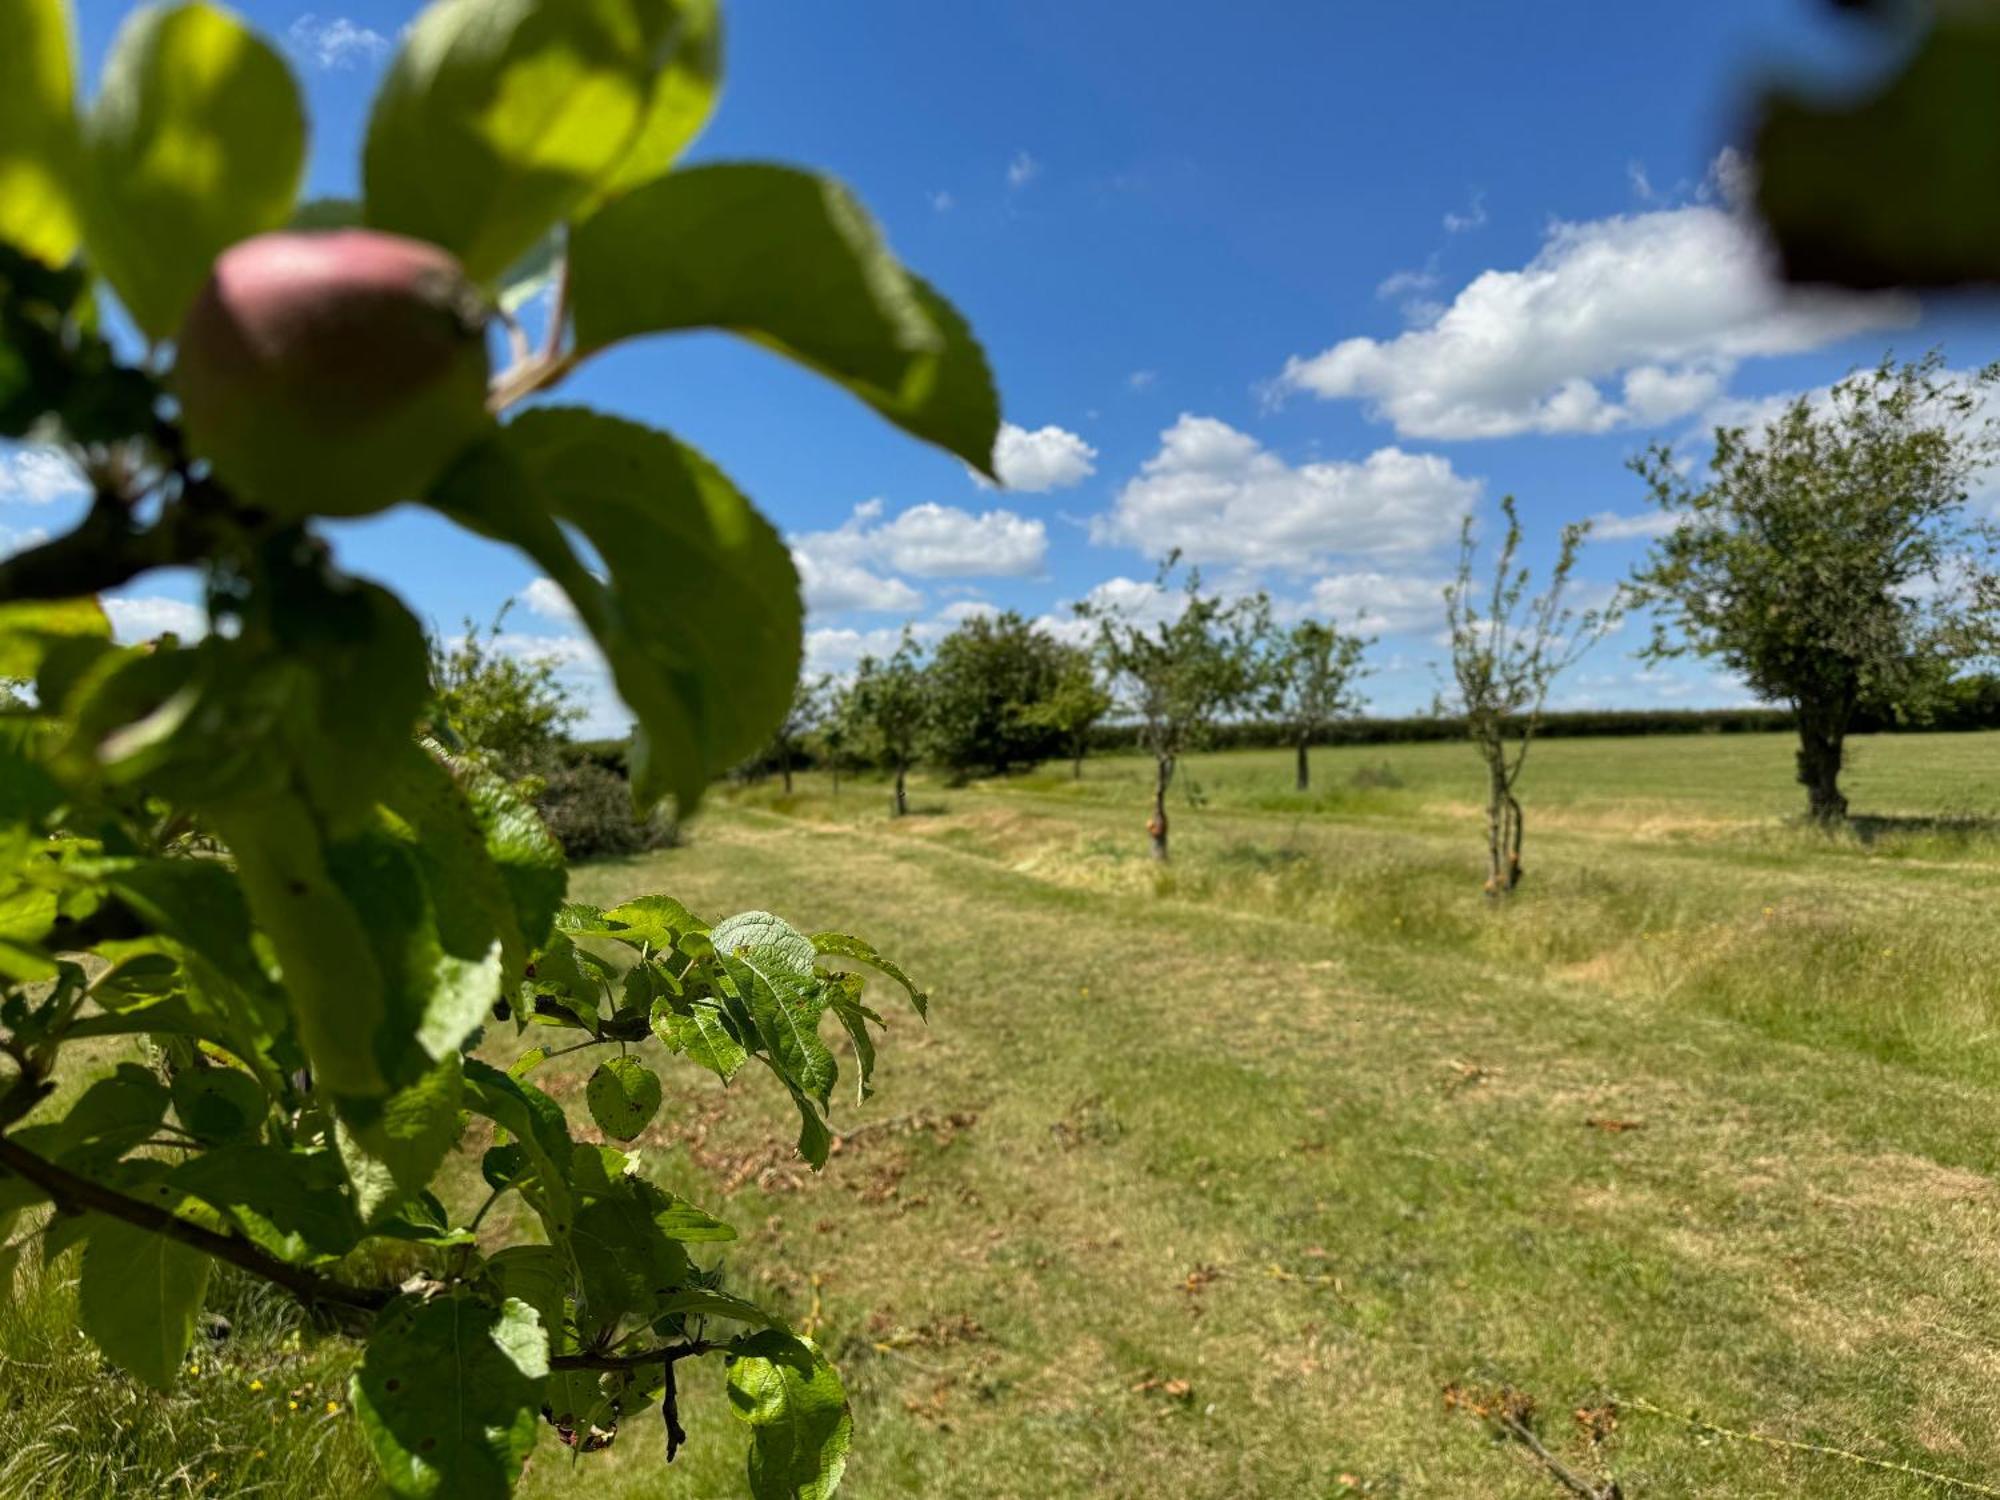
(1288, 285)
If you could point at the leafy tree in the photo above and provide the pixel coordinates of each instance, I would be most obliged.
(238, 848)
(889, 708)
(1073, 706)
(986, 679)
(1504, 659)
(834, 734)
(1178, 676)
(1313, 671)
(1828, 559)
(512, 709)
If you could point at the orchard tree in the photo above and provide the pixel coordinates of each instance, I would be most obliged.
(1179, 674)
(1073, 705)
(1505, 656)
(1827, 558)
(833, 735)
(510, 708)
(808, 707)
(889, 708)
(1313, 670)
(239, 849)
(986, 679)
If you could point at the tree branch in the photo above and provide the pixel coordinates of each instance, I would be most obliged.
(74, 1194)
(666, 1354)
(102, 552)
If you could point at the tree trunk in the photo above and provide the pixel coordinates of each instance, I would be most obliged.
(786, 755)
(1076, 749)
(1157, 826)
(902, 797)
(834, 765)
(1822, 747)
(1503, 832)
(1305, 769)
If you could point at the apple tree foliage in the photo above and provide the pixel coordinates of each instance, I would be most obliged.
(243, 848)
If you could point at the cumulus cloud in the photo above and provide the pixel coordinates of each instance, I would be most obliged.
(39, 476)
(335, 42)
(1632, 320)
(1379, 603)
(1022, 170)
(145, 616)
(1220, 496)
(545, 598)
(1049, 458)
(847, 568)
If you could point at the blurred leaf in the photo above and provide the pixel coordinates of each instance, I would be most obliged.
(783, 1387)
(1899, 188)
(626, 1262)
(138, 1297)
(288, 1202)
(38, 136)
(791, 261)
(623, 1095)
(196, 139)
(449, 1392)
(683, 98)
(700, 622)
(392, 1147)
(536, 1122)
(30, 629)
(498, 117)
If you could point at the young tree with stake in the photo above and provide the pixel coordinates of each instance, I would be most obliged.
(1314, 667)
(1177, 677)
(1827, 558)
(808, 710)
(891, 712)
(1504, 658)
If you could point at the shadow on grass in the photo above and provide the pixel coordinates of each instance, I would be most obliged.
(1870, 828)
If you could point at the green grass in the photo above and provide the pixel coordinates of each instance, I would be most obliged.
(1209, 1181)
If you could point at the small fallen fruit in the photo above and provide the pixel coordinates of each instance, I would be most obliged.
(332, 373)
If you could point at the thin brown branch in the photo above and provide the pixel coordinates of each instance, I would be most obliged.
(666, 1354)
(74, 1194)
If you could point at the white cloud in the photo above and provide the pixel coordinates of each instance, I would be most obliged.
(1632, 320)
(1220, 496)
(1379, 603)
(832, 583)
(1474, 217)
(544, 597)
(145, 616)
(1142, 380)
(1022, 170)
(942, 202)
(1049, 458)
(960, 610)
(335, 42)
(1610, 526)
(1642, 185)
(39, 476)
(20, 538)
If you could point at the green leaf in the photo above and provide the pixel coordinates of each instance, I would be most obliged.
(498, 117)
(683, 98)
(844, 945)
(623, 1095)
(843, 998)
(659, 922)
(680, 1220)
(1898, 189)
(31, 628)
(626, 1261)
(448, 1394)
(392, 1147)
(218, 1105)
(538, 1275)
(699, 1032)
(38, 140)
(289, 1202)
(770, 963)
(704, 1302)
(784, 1388)
(536, 1122)
(138, 1298)
(196, 140)
(793, 262)
(708, 665)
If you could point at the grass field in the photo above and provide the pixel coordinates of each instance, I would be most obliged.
(1210, 1181)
